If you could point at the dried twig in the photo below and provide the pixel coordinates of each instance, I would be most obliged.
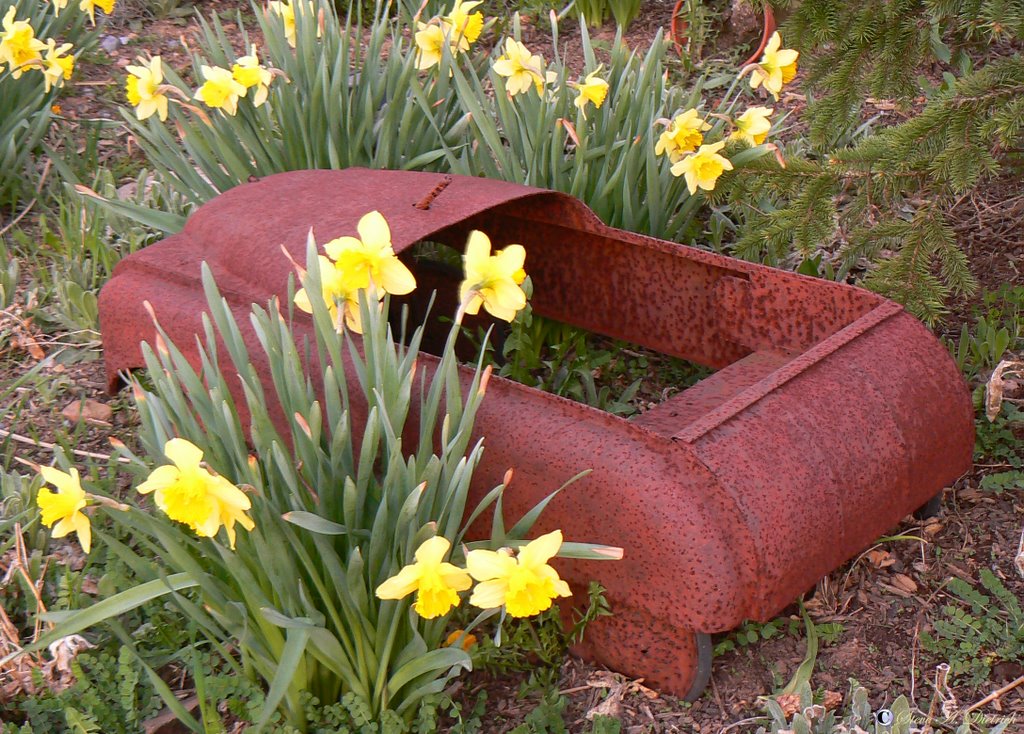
(52, 446)
(994, 695)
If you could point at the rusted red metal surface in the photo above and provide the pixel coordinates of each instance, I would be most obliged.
(832, 415)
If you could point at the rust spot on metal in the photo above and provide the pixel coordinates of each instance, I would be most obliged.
(832, 415)
(427, 200)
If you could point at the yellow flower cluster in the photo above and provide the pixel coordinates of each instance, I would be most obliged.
(20, 51)
(683, 143)
(186, 492)
(521, 582)
(368, 264)
(222, 88)
(701, 163)
(458, 31)
(524, 70)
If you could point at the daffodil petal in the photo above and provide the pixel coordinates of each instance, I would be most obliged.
(64, 482)
(396, 278)
(228, 494)
(484, 565)
(183, 453)
(159, 478)
(786, 57)
(508, 295)
(83, 530)
(373, 230)
(400, 585)
(433, 550)
(478, 249)
(455, 577)
(489, 594)
(302, 302)
(540, 551)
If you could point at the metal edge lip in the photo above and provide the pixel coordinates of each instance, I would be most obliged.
(798, 365)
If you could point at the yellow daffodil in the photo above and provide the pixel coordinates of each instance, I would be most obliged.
(525, 585)
(143, 89)
(334, 290)
(191, 494)
(89, 6)
(683, 135)
(370, 258)
(592, 89)
(430, 42)
(57, 66)
(493, 281)
(464, 25)
(60, 4)
(286, 10)
(437, 584)
(248, 72)
(522, 68)
(19, 46)
(753, 125)
(220, 89)
(776, 68)
(287, 13)
(62, 510)
(703, 168)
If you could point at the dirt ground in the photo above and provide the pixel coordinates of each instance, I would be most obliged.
(883, 600)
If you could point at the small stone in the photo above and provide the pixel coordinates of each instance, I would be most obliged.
(88, 410)
(110, 44)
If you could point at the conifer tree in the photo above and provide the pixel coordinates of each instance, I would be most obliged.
(886, 196)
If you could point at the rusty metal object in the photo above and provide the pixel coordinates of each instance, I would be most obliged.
(833, 413)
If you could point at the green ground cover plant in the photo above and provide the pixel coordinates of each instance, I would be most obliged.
(978, 628)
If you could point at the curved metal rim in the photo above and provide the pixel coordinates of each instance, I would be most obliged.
(702, 677)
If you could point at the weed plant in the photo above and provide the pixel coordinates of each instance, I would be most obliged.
(978, 628)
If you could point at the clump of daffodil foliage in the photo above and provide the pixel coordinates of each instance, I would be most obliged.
(446, 93)
(39, 42)
(328, 559)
